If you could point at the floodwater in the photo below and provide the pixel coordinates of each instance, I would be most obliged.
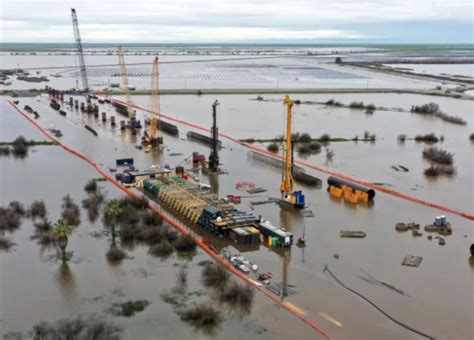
(466, 70)
(242, 117)
(439, 300)
(179, 72)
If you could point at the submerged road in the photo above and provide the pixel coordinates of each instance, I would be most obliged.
(296, 311)
(407, 197)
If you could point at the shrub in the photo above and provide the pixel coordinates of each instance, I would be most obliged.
(202, 315)
(151, 235)
(9, 220)
(237, 296)
(184, 243)
(5, 243)
(436, 170)
(330, 101)
(170, 234)
(370, 109)
(20, 146)
(438, 156)
(315, 147)
(162, 249)
(305, 138)
(91, 327)
(402, 138)
(4, 151)
(44, 225)
(429, 138)
(17, 207)
(71, 212)
(115, 254)
(273, 147)
(325, 138)
(429, 108)
(259, 97)
(38, 209)
(150, 219)
(91, 186)
(137, 203)
(129, 308)
(297, 102)
(182, 277)
(356, 105)
(92, 204)
(471, 137)
(214, 275)
(304, 148)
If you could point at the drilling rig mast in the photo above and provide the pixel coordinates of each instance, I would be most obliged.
(289, 196)
(151, 138)
(214, 156)
(126, 87)
(80, 52)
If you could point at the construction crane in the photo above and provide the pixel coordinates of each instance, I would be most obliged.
(80, 52)
(151, 136)
(289, 197)
(126, 87)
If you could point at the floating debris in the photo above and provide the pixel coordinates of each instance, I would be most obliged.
(412, 261)
(408, 226)
(280, 289)
(307, 213)
(352, 234)
(256, 190)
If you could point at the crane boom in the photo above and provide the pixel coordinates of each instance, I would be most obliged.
(155, 99)
(123, 74)
(80, 52)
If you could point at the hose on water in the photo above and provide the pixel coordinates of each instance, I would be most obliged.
(326, 269)
(463, 214)
(175, 224)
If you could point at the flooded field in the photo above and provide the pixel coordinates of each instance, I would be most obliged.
(210, 72)
(466, 70)
(442, 285)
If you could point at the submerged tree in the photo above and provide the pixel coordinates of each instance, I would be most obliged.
(112, 211)
(62, 231)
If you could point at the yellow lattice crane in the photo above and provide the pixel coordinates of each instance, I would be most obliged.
(289, 196)
(152, 139)
(126, 87)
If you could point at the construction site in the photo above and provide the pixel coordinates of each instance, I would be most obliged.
(305, 198)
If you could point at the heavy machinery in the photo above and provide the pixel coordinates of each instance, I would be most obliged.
(126, 89)
(151, 138)
(80, 52)
(214, 156)
(289, 197)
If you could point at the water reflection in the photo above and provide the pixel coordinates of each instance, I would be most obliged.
(214, 182)
(66, 281)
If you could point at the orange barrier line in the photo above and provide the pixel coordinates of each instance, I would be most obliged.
(315, 167)
(172, 222)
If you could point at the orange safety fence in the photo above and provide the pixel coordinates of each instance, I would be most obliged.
(177, 225)
(314, 167)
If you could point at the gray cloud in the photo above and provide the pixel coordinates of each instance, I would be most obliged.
(201, 20)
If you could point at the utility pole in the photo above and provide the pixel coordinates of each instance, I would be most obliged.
(80, 52)
(214, 156)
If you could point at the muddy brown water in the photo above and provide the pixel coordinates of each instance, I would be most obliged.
(440, 290)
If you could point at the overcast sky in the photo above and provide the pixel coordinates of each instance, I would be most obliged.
(166, 21)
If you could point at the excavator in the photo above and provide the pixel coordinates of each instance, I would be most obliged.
(289, 197)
